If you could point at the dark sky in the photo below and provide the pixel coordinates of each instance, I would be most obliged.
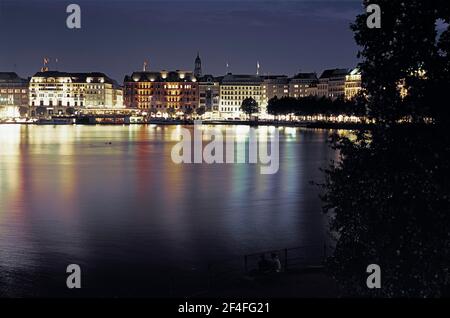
(117, 36)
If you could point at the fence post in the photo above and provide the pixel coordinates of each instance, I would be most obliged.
(285, 259)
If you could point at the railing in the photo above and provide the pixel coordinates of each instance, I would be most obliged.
(291, 258)
(232, 272)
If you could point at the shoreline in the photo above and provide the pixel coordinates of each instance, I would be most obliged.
(312, 125)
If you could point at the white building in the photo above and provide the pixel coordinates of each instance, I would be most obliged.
(234, 89)
(59, 91)
(352, 83)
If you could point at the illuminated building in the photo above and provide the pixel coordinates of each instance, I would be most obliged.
(209, 94)
(234, 89)
(352, 83)
(161, 91)
(332, 83)
(60, 91)
(273, 86)
(13, 94)
(302, 85)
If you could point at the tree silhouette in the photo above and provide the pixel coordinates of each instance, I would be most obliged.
(171, 111)
(41, 110)
(153, 111)
(23, 111)
(388, 199)
(312, 105)
(70, 111)
(200, 111)
(249, 106)
(188, 113)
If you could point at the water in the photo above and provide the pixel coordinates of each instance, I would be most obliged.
(134, 221)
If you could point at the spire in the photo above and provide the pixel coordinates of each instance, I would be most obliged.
(198, 66)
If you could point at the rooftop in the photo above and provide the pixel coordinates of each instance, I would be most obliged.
(163, 76)
(241, 79)
(337, 72)
(305, 76)
(11, 77)
(77, 77)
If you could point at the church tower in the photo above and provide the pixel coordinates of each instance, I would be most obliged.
(198, 66)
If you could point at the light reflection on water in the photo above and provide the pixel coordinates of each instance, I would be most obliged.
(110, 199)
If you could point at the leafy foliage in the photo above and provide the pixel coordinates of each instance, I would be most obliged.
(70, 111)
(312, 105)
(171, 111)
(249, 106)
(200, 111)
(41, 110)
(23, 111)
(389, 195)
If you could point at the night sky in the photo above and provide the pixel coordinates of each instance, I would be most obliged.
(117, 36)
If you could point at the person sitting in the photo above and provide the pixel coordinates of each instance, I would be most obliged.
(264, 265)
(276, 263)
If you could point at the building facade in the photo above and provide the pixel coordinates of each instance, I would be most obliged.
(352, 83)
(303, 84)
(61, 93)
(161, 92)
(273, 86)
(209, 94)
(332, 83)
(234, 89)
(13, 94)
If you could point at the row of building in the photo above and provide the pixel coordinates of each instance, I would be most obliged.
(163, 92)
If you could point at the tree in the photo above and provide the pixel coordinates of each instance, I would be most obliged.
(272, 106)
(41, 111)
(200, 111)
(188, 112)
(153, 110)
(23, 111)
(249, 106)
(70, 111)
(171, 111)
(388, 199)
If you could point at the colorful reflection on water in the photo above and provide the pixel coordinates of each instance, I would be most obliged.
(110, 199)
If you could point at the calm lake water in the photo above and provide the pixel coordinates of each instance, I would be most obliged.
(110, 199)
